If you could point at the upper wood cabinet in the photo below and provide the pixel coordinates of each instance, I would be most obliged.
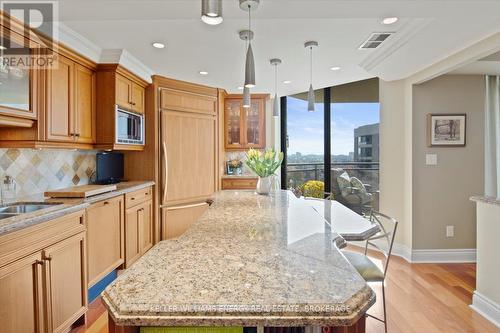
(117, 87)
(70, 113)
(245, 128)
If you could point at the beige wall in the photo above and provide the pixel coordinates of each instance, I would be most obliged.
(394, 191)
(441, 193)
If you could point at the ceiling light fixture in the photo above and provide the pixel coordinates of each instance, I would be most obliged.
(247, 98)
(211, 12)
(158, 45)
(247, 36)
(276, 105)
(249, 6)
(240, 88)
(389, 20)
(311, 99)
(335, 68)
(203, 73)
(287, 82)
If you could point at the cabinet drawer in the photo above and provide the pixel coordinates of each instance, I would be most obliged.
(137, 197)
(26, 241)
(239, 183)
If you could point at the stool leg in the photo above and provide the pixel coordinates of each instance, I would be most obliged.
(383, 301)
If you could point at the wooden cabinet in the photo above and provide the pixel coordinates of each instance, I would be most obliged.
(117, 87)
(239, 183)
(245, 128)
(21, 295)
(43, 276)
(70, 103)
(177, 219)
(105, 238)
(65, 289)
(138, 224)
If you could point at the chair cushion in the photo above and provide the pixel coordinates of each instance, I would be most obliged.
(344, 182)
(358, 185)
(365, 267)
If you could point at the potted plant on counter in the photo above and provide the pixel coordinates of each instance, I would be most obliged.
(264, 164)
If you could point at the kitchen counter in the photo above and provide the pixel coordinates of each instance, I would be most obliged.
(486, 199)
(250, 260)
(65, 207)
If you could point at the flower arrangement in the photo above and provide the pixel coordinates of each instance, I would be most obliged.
(264, 164)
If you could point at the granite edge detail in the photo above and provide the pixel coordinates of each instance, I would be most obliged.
(486, 199)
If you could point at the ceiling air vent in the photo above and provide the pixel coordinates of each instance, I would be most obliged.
(375, 40)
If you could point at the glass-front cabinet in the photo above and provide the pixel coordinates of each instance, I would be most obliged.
(245, 127)
(17, 79)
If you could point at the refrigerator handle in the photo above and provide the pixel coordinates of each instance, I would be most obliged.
(165, 172)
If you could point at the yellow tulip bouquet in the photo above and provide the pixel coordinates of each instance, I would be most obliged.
(263, 164)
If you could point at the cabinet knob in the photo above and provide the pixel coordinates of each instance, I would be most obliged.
(48, 258)
(132, 198)
(77, 135)
(39, 262)
(106, 202)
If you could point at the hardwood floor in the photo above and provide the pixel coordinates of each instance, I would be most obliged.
(421, 298)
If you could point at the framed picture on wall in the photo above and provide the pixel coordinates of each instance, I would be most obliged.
(446, 130)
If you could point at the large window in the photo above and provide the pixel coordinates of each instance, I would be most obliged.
(344, 129)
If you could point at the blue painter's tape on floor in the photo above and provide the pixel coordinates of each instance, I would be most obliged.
(99, 287)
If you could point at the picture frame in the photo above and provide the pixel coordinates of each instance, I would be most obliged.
(447, 129)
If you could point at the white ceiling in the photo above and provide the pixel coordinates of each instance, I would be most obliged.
(487, 66)
(428, 31)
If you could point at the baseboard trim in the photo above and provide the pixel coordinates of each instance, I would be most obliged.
(486, 308)
(443, 256)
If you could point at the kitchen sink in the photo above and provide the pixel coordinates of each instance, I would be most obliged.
(18, 208)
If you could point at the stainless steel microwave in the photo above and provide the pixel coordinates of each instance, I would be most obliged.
(129, 127)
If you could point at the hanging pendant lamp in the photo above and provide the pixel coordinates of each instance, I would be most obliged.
(311, 98)
(276, 105)
(247, 36)
(211, 11)
(249, 6)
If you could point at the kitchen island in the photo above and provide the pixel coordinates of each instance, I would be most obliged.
(250, 260)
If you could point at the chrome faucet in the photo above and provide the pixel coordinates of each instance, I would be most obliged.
(7, 187)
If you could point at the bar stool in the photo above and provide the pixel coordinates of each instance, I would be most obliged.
(382, 242)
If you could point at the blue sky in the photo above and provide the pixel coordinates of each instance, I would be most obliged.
(305, 129)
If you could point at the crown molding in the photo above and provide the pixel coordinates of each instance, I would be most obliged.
(395, 42)
(78, 43)
(127, 60)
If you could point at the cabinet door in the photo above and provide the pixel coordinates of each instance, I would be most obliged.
(65, 282)
(233, 124)
(132, 247)
(60, 101)
(254, 128)
(177, 219)
(105, 238)
(84, 104)
(123, 92)
(146, 226)
(20, 294)
(137, 97)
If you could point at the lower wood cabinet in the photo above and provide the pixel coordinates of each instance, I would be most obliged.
(138, 231)
(44, 291)
(105, 238)
(239, 183)
(176, 220)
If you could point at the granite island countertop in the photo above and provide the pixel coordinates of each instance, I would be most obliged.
(250, 260)
(62, 206)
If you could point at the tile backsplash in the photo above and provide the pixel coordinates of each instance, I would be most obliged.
(36, 171)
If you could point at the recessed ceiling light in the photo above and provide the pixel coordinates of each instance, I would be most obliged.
(158, 45)
(335, 68)
(203, 73)
(2, 47)
(240, 88)
(287, 82)
(389, 20)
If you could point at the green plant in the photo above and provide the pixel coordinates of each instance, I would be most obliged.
(313, 189)
(264, 164)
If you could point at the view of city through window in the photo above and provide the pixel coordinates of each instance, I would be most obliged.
(354, 142)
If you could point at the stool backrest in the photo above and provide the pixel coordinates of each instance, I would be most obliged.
(383, 241)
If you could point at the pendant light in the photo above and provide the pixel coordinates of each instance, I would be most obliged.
(249, 6)
(247, 36)
(211, 11)
(311, 98)
(276, 105)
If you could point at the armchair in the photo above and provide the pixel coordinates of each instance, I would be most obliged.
(351, 192)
